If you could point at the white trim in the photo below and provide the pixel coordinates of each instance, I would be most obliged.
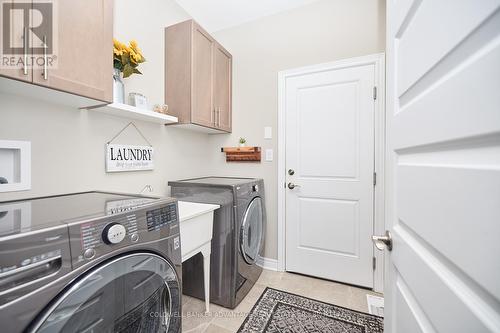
(23, 149)
(281, 170)
(379, 199)
(267, 263)
(379, 61)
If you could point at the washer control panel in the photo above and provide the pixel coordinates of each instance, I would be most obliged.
(110, 231)
(114, 233)
(93, 239)
(161, 217)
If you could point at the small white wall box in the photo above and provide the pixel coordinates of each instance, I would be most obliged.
(269, 155)
(15, 165)
(268, 132)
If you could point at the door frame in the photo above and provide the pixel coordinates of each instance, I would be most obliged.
(378, 60)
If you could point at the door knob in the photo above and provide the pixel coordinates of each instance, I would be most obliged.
(382, 242)
(291, 186)
(291, 172)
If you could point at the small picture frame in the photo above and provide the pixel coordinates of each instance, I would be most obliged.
(138, 100)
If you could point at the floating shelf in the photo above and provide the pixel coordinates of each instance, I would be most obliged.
(242, 154)
(132, 112)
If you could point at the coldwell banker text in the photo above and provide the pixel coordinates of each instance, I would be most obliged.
(128, 158)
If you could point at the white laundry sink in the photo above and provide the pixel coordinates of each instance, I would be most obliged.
(196, 223)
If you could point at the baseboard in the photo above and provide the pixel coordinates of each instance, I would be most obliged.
(267, 263)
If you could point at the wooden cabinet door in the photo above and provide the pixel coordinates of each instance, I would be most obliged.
(84, 49)
(178, 63)
(17, 32)
(202, 112)
(222, 87)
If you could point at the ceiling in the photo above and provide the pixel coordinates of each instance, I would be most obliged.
(216, 15)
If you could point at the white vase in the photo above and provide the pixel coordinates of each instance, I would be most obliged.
(118, 87)
(243, 144)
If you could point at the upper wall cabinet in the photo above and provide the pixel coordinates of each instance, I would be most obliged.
(198, 78)
(72, 49)
(18, 32)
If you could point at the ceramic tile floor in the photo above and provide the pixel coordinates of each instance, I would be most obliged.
(222, 320)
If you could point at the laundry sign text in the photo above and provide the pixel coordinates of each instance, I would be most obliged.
(128, 158)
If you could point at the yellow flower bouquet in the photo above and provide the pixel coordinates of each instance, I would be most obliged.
(126, 58)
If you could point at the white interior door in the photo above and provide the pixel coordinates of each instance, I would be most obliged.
(443, 126)
(329, 120)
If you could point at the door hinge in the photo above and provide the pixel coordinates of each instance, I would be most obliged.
(374, 93)
(374, 178)
(374, 263)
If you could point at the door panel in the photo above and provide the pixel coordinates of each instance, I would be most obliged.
(313, 213)
(203, 111)
(443, 125)
(330, 146)
(427, 20)
(406, 321)
(84, 46)
(329, 114)
(222, 87)
(484, 119)
(16, 38)
(421, 209)
(412, 256)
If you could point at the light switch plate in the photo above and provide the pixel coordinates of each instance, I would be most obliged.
(269, 155)
(268, 132)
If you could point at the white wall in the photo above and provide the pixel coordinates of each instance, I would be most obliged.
(324, 31)
(146, 22)
(68, 144)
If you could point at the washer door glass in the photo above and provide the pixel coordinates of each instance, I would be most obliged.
(134, 293)
(251, 231)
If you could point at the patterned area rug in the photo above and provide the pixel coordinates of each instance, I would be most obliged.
(279, 311)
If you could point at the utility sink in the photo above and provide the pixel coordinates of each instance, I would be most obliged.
(196, 223)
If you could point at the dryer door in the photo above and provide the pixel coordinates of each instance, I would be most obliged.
(132, 293)
(252, 231)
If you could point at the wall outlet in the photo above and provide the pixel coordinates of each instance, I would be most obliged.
(269, 155)
(268, 132)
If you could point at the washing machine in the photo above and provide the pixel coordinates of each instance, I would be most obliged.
(90, 262)
(238, 236)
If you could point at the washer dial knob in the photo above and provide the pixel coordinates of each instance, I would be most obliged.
(114, 233)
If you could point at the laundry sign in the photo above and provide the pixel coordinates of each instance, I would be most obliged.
(128, 158)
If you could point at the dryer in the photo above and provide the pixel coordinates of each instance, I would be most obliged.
(238, 236)
(90, 262)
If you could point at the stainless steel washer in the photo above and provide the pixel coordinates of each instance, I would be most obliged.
(238, 236)
(90, 262)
